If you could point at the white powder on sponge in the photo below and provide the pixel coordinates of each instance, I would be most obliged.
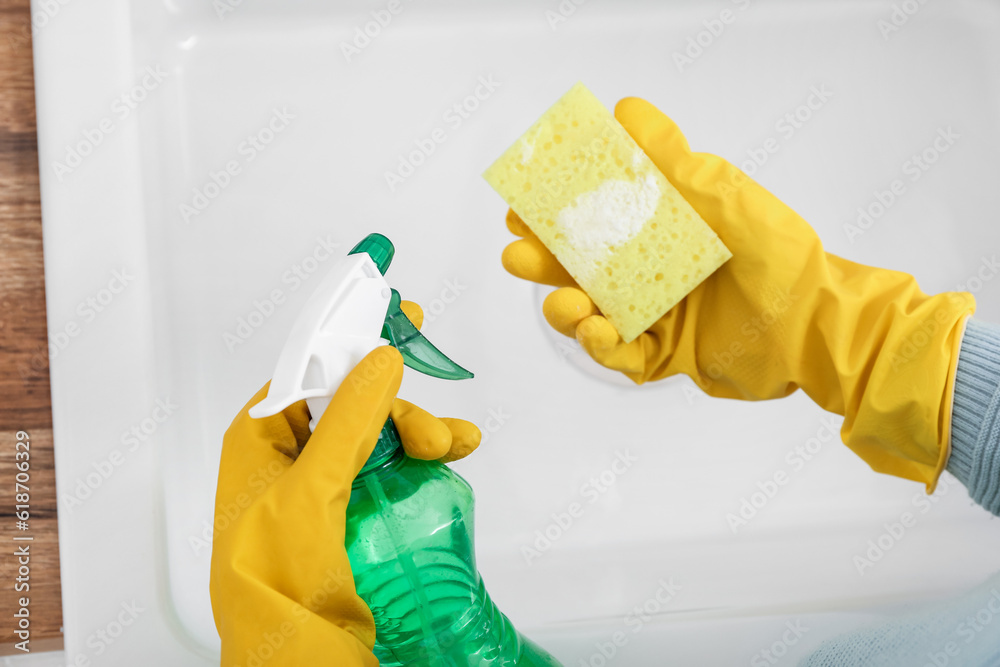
(609, 216)
(527, 150)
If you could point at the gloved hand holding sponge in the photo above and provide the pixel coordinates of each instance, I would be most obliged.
(780, 315)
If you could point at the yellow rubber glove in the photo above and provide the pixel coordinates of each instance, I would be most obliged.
(782, 314)
(281, 584)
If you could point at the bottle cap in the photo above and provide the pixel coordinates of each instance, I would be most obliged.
(379, 248)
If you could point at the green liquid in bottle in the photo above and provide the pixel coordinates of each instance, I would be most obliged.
(411, 546)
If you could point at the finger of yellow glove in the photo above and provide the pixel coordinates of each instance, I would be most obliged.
(465, 438)
(516, 225)
(347, 431)
(413, 312)
(424, 436)
(735, 206)
(566, 307)
(527, 258)
(601, 341)
(657, 135)
(698, 176)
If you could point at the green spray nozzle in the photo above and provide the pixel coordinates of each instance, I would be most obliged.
(418, 352)
(379, 248)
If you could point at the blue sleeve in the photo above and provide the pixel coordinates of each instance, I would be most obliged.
(975, 421)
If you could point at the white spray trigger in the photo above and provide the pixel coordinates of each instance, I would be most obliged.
(340, 324)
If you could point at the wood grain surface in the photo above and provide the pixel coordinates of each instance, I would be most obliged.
(24, 372)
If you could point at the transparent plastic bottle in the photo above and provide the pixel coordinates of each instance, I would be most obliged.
(410, 542)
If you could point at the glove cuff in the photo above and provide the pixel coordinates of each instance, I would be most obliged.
(975, 423)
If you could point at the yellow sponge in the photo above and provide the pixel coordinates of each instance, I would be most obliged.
(610, 217)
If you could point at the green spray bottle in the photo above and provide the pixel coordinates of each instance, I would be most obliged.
(409, 534)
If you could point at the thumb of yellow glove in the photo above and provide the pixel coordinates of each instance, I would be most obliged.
(781, 315)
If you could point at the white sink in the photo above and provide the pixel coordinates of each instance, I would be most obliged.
(278, 138)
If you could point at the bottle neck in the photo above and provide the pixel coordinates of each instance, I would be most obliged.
(388, 448)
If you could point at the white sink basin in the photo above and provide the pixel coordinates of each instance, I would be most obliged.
(263, 135)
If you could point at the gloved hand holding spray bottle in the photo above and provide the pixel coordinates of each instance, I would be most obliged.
(409, 532)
